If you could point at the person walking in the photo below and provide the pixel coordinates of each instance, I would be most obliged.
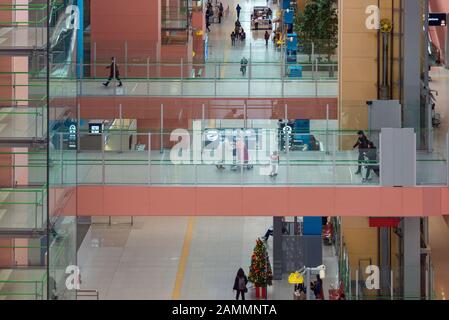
(220, 13)
(267, 37)
(113, 73)
(238, 9)
(240, 283)
(371, 155)
(362, 145)
(243, 64)
(233, 38)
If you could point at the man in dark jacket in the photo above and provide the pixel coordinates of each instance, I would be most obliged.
(371, 155)
(362, 145)
(238, 8)
(113, 73)
(240, 284)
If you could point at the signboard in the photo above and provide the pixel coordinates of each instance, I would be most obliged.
(95, 128)
(72, 141)
(384, 222)
(437, 19)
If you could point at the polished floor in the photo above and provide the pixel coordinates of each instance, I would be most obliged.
(439, 240)
(193, 258)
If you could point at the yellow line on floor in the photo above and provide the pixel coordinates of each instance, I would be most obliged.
(183, 260)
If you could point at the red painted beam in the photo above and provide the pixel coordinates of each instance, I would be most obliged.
(257, 201)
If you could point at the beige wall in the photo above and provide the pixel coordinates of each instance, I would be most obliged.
(358, 75)
(357, 65)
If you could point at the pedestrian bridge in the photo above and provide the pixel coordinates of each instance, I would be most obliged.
(142, 183)
(198, 87)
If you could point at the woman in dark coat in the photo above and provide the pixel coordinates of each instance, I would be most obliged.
(240, 284)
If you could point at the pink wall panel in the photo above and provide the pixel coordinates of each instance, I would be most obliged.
(90, 201)
(261, 201)
(137, 200)
(388, 201)
(114, 22)
(220, 201)
(252, 195)
(6, 252)
(303, 200)
(183, 200)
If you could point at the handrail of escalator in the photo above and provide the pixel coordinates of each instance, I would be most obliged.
(87, 293)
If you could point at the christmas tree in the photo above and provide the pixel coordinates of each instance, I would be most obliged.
(260, 272)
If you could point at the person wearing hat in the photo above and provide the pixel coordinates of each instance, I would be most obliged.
(362, 145)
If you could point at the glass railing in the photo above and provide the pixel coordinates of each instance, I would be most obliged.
(23, 208)
(27, 278)
(22, 122)
(391, 284)
(215, 158)
(21, 253)
(122, 157)
(62, 254)
(205, 71)
(23, 284)
(26, 168)
(28, 29)
(267, 80)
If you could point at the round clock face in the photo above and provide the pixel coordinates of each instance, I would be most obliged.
(385, 25)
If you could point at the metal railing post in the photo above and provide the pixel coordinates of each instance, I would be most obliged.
(148, 76)
(61, 157)
(391, 285)
(316, 80)
(182, 75)
(327, 128)
(126, 58)
(103, 169)
(95, 59)
(121, 126)
(149, 158)
(334, 159)
(215, 79)
(162, 129)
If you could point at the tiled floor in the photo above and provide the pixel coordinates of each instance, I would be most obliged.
(141, 262)
(439, 240)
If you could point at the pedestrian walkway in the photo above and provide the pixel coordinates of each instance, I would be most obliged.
(150, 261)
(439, 239)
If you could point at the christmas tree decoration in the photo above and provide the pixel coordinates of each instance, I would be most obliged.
(260, 272)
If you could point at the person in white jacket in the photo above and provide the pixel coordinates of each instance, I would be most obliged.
(274, 161)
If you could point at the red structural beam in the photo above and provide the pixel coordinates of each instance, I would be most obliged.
(375, 201)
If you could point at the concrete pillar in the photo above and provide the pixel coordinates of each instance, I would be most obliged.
(397, 157)
(412, 258)
(398, 169)
(412, 68)
(384, 259)
(277, 248)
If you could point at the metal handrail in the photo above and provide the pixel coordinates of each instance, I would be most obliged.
(87, 293)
